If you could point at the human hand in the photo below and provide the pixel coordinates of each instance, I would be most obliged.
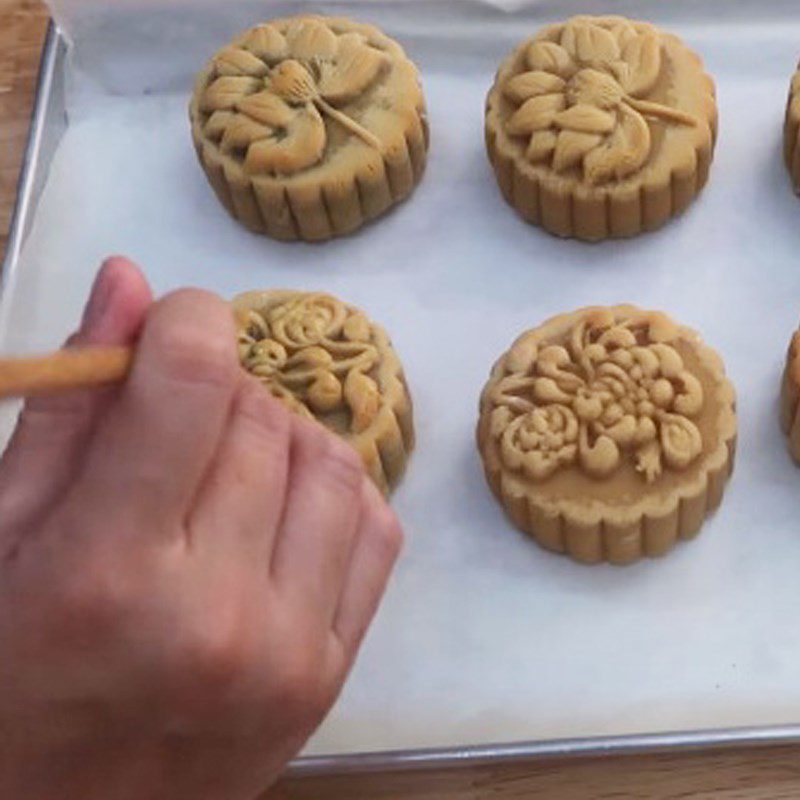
(186, 569)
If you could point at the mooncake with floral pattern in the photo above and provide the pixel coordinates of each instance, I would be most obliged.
(328, 361)
(608, 434)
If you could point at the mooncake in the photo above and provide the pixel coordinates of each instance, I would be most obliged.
(608, 434)
(791, 131)
(601, 127)
(308, 127)
(790, 397)
(327, 361)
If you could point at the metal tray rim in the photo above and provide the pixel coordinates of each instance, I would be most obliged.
(594, 746)
(412, 759)
(23, 207)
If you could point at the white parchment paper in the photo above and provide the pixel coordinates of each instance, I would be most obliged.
(483, 636)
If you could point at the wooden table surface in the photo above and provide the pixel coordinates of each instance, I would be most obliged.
(770, 773)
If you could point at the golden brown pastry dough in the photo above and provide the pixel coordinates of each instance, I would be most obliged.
(327, 361)
(791, 131)
(601, 127)
(790, 397)
(609, 433)
(308, 127)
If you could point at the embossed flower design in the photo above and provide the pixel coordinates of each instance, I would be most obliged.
(580, 103)
(542, 440)
(271, 91)
(608, 391)
(315, 353)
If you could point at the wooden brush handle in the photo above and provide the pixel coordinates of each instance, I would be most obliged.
(73, 368)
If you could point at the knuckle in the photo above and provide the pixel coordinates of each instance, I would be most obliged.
(214, 656)
(389, 535)
(177, 301)
(386, 531)
(216, 661)
(302, 690)
(190, 335)
(92, 602)
(342, 464)
(265, 415)
(190, 356)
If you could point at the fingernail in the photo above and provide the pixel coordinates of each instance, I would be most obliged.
(99, 298)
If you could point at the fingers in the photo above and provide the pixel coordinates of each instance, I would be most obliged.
(377, 546)
(241, 501)
(53, 432)
(117, 305)
(320, 519)
(157, 441)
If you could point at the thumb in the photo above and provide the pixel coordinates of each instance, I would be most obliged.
(53, 432)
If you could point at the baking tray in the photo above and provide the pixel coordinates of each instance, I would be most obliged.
(48, 126)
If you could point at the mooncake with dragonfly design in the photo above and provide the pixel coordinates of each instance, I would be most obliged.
(327, 361)
(308, 127)
(609, 433)
(601, 127)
